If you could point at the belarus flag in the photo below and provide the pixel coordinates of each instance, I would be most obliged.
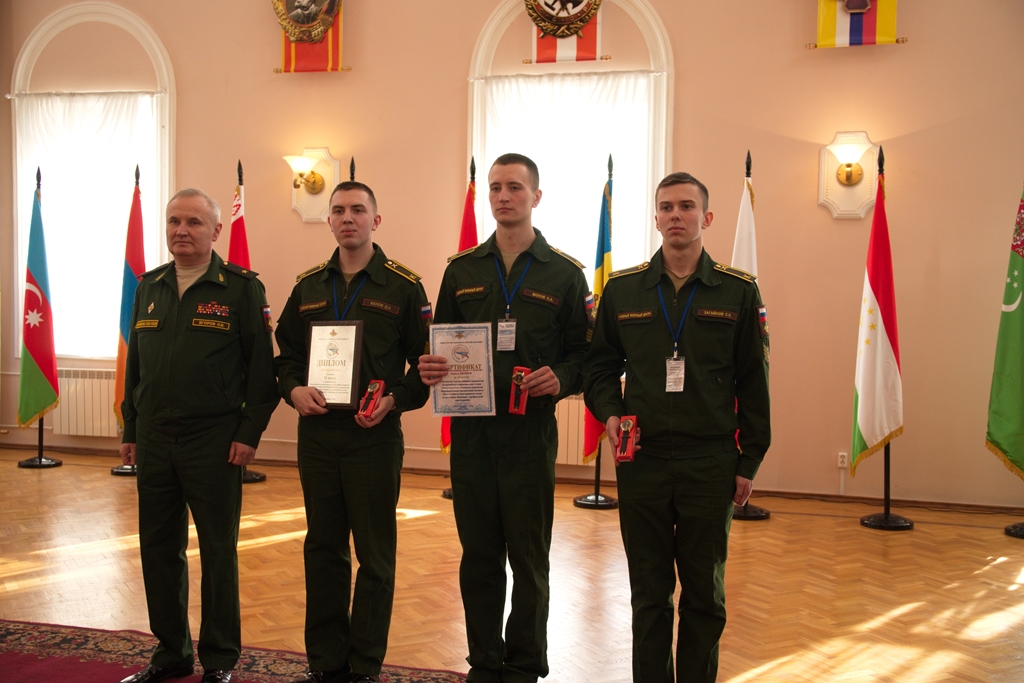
(878, 396)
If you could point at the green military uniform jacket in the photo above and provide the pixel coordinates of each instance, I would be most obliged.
(725, 345)
(194, 363)
(549, 308)
(395, 314)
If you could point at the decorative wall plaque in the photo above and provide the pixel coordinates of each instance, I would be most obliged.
(561, 18)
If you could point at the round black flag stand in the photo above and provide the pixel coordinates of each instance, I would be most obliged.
(596, 501)
(886, 521)
(1015, 530)
(39, 461)
(752, 513)
(123, 471)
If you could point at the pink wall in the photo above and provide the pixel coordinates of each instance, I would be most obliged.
(945, 106)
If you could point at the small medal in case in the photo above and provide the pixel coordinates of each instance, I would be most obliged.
(627, 439)
(368, 403)
(517, 396)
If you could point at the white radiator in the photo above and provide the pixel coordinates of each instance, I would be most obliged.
(86, 403)
(569, 412)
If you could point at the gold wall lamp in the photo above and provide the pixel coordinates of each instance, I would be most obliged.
(847, 169)
(314, 170)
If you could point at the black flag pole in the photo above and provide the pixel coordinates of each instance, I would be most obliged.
(447, 493)
(886, 521)
(127, 470)
(748, 512)
(39, 461)
(595, 500)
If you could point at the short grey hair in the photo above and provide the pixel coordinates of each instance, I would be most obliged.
(211, 203)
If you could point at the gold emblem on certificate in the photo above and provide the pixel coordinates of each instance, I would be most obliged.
(561, 18)
(334, 351)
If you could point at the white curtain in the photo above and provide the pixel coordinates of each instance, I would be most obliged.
(569, 124)
(86, 146)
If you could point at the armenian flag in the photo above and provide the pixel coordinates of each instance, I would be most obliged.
(134, 267)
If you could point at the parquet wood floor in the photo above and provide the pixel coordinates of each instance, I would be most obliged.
(812, 595)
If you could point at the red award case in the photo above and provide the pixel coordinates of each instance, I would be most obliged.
(517, 396)
(368, 403)
(627, 439)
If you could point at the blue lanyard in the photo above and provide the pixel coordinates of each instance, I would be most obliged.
(353, 298)
(682, 321)
(501, 279)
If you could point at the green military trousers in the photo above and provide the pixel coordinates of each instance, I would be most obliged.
(674, 514)
(503, 483)
(350, 484)
(174, 477)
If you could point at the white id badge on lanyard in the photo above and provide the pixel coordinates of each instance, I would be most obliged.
(675, 374)
(507, 334)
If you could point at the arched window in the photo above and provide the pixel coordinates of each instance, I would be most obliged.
(570, 117)
(86, 128)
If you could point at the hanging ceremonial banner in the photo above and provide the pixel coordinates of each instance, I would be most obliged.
(311, 34)
(561, 18)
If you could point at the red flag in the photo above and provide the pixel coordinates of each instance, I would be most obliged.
(324, 55)
(134, 267)
(238, 248)
(467, 239)
(583, 47)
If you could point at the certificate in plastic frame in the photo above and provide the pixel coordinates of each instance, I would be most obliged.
(468, 388)
(335, 348)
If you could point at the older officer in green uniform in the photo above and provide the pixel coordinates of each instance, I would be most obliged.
(350, 465)
(199, 391)
(503, 467)
(692, 338)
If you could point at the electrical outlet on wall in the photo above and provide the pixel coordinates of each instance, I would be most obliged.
(844, 460)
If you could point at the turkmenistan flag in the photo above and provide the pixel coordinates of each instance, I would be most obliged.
(38, 391)
(1005, 436)
(878, 396)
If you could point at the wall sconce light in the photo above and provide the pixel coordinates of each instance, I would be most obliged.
(847, 169)
(305, 176)
(312, 171)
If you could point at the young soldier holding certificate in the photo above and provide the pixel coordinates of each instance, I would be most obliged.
(692, 338)
(503, 467)
(350, 463)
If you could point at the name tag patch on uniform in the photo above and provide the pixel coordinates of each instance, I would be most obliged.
(208, 324)
(267, 318)
(213, 308)
(717, 314)
(379, 305)
(762, 320)
(479, 289)
(541, 296)
(635, 316)
(147, 324)
(312, 306)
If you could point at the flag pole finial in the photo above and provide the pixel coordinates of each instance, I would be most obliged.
(472, 169)
(748, 163)
(240, 172)
(136, 175)
(881, 161)
(610, 166)
(39, 178)
(352, 169)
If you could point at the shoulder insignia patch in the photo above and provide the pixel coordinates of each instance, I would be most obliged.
(397, 267)
(314, 269)
(462, 253)
(735, 272)
(156, 270)
(568, 258)
(630, 271)
(239, 270)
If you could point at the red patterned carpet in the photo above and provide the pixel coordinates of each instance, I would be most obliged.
(38, 653)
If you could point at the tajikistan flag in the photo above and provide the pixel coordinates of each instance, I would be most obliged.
(878, 396)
